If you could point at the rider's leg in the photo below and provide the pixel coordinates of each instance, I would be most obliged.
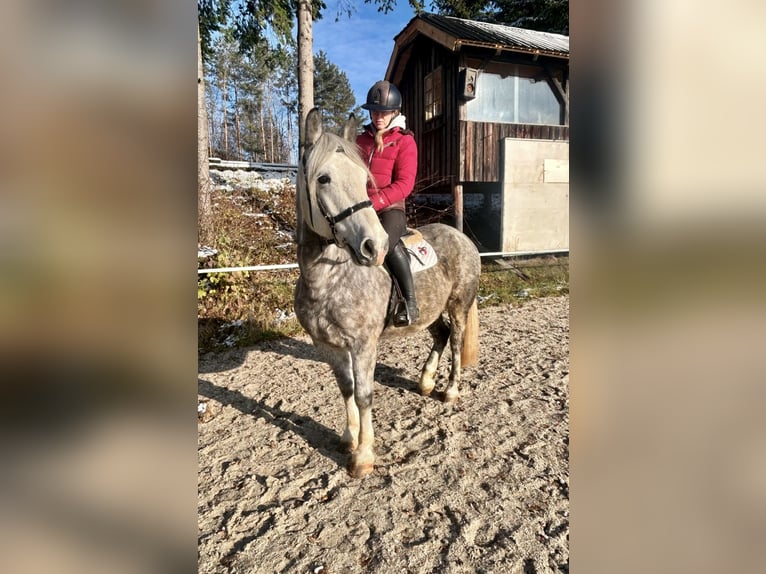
(398, 262)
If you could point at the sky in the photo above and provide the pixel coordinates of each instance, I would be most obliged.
(362, 44)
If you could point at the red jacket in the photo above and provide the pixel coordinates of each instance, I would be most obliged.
(394, 169)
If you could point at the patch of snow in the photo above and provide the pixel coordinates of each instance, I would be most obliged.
(481, 299)
(269, 182)
(204, 252)
(283, 316)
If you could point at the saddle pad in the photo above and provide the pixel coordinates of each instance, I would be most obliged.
(422, 254)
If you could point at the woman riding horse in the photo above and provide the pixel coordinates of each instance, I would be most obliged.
(391, 154)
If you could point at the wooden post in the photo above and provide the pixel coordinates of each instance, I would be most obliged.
(457, 194)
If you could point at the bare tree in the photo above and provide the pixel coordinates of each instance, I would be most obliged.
(204, 186)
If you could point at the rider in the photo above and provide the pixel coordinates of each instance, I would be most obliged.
(392, 157)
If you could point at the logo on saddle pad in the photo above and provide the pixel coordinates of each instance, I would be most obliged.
(422, 255)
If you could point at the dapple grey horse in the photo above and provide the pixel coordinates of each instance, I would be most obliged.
(341, 296)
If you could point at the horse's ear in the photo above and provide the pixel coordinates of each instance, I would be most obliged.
(349, 129)
(313, 126)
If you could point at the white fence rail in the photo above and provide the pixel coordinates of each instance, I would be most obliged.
(295, 265)
(218, 163)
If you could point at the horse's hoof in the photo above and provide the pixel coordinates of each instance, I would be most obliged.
(360, 470)
(427, 388)
(450, 396)
(361, 463)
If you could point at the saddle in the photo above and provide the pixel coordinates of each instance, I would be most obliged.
(421, 256)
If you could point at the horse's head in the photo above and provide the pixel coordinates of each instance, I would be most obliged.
(332, 192)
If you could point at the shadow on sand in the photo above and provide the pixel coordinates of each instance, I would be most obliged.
(228, 360)
(319, 437)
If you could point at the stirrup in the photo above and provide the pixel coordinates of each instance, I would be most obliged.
(403, 316)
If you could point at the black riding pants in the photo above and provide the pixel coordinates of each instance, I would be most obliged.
(394, 221)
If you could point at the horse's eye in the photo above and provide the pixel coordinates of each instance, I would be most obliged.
(324, 179)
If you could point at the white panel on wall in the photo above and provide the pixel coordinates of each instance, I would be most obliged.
(535, 198)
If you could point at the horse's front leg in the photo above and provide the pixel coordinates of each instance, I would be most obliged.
(363, 365)
(344, 376)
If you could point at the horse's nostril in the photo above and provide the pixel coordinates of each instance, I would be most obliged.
(368, 249)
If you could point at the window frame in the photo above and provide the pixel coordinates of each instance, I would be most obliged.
(517, 72)
(433, 95)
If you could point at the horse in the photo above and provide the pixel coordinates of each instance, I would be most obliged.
(341, 293)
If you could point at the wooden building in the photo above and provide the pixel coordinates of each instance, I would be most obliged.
(489, 106)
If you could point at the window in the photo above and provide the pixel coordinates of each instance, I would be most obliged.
(514, 94)
(433, 94)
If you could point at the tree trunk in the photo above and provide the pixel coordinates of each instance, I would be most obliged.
(262, 153)
(305, 69)
(273, 124)
(225, 110)
(204, 186)
(236, 122)
(290, 137)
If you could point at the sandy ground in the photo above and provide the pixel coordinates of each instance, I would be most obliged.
(478, 486)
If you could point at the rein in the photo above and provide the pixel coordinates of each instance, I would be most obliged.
(332, 220)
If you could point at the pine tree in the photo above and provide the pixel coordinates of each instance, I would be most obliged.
(333, 93)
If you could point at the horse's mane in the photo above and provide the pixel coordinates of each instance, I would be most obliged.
(327, 144)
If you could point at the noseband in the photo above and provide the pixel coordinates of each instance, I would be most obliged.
(332, 220)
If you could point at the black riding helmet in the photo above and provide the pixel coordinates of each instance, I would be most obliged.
(383, 97)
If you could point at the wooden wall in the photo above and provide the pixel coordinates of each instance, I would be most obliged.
(438, 143)
(480, 154)
(452, 150)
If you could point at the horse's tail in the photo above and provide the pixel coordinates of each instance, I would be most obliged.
(470, 354)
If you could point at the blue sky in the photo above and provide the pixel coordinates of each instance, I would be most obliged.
(362, 44)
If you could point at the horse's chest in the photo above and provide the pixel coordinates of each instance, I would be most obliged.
(338, 312)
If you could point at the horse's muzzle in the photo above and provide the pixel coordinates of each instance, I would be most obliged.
(372, 253)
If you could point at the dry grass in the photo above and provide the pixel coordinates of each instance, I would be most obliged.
(253, 227)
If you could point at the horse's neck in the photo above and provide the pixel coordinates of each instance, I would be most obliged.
(322, 263)
(309, 243)
(314, 251)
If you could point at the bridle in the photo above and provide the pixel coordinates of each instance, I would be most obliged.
(332, 220)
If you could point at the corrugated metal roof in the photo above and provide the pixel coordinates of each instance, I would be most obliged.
(481, 33)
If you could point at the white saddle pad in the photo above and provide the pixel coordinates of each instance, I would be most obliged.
(422, 254)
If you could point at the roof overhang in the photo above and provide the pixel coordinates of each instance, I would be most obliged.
(403, 43)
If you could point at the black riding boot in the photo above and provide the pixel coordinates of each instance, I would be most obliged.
(398, 262)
